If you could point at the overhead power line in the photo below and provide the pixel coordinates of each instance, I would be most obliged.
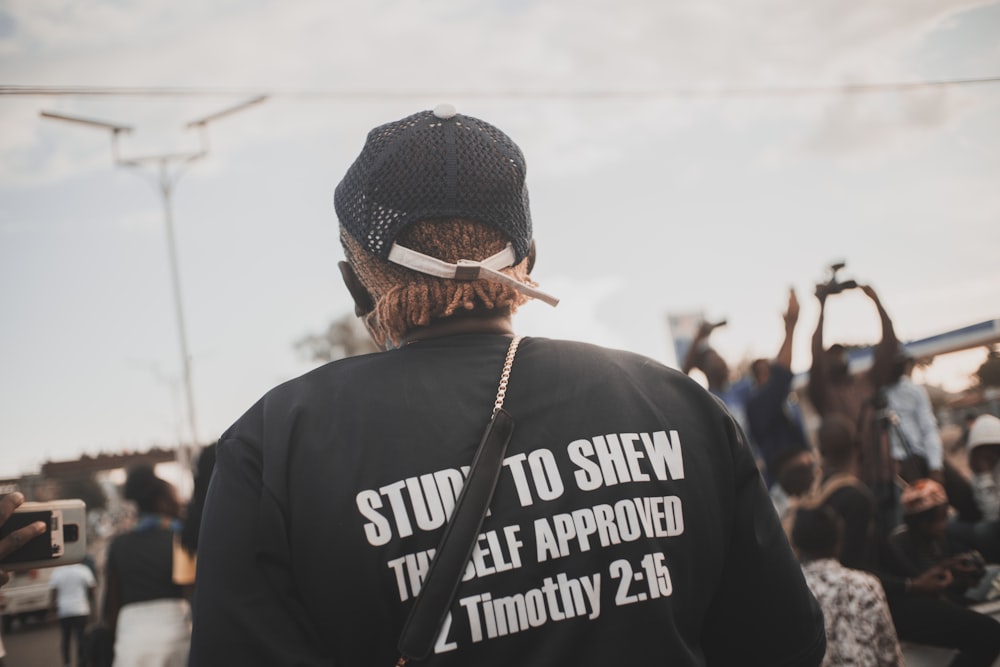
(519, 93)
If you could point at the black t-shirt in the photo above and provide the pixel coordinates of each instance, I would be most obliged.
(629, 525)
(143, 561)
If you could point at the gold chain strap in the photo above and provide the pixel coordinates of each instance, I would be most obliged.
(501, 394)
(505, 375)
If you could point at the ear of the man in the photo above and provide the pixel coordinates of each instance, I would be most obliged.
(363, 302)
(531, 256)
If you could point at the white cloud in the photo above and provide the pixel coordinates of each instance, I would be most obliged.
(874, 125)
(382, 45)
(393, 46)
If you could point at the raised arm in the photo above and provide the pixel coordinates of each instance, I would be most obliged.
(888, 346)
(791, 318)
(694, 351)
(817, 371)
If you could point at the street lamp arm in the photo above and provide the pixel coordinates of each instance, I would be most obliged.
(114, 127)
(225, 112)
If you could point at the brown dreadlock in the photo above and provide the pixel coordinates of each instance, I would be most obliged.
(405, 299)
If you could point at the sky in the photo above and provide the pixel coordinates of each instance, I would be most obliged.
(682, 157)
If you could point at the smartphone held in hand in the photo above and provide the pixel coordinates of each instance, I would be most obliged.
(63, 542)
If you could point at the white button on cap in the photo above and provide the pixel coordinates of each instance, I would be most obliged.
(445, 111)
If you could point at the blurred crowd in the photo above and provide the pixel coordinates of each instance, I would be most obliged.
(898, 539)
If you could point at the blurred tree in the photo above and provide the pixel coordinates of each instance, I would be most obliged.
(86, 488)
(989, 372)
(345, 337)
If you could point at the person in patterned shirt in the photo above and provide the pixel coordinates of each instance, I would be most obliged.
(859, 628)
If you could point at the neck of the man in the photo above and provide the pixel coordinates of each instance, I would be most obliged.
(463, 323)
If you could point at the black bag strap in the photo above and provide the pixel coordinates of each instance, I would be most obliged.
(446, 569)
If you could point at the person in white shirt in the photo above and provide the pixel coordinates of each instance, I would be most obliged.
(984, 461)
(73, 586)
(984, 464)
(916, 422)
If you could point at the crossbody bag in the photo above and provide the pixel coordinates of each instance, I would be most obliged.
(460, 534)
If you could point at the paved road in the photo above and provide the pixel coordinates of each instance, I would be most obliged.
(36, 645)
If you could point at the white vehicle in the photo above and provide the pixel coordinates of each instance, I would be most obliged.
(25, 597)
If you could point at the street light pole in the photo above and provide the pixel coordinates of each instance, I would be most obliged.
(166, 181)
(166, 190)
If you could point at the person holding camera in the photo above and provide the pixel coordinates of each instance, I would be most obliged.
(323, 524)
(760, 402)
(834, 390)
(18, 538)
(920, 551)
(922, 541)
(15, 540)
(766, 387)
(734, 393)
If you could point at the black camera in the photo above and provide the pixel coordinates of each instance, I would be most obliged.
(972, 560)
(833, 285)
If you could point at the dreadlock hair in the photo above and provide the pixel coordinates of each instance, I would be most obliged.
(405, 299)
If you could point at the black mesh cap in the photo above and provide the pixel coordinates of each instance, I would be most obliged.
(433, 165)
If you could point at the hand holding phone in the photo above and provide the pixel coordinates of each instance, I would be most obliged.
(41, 534)
(15, 540)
